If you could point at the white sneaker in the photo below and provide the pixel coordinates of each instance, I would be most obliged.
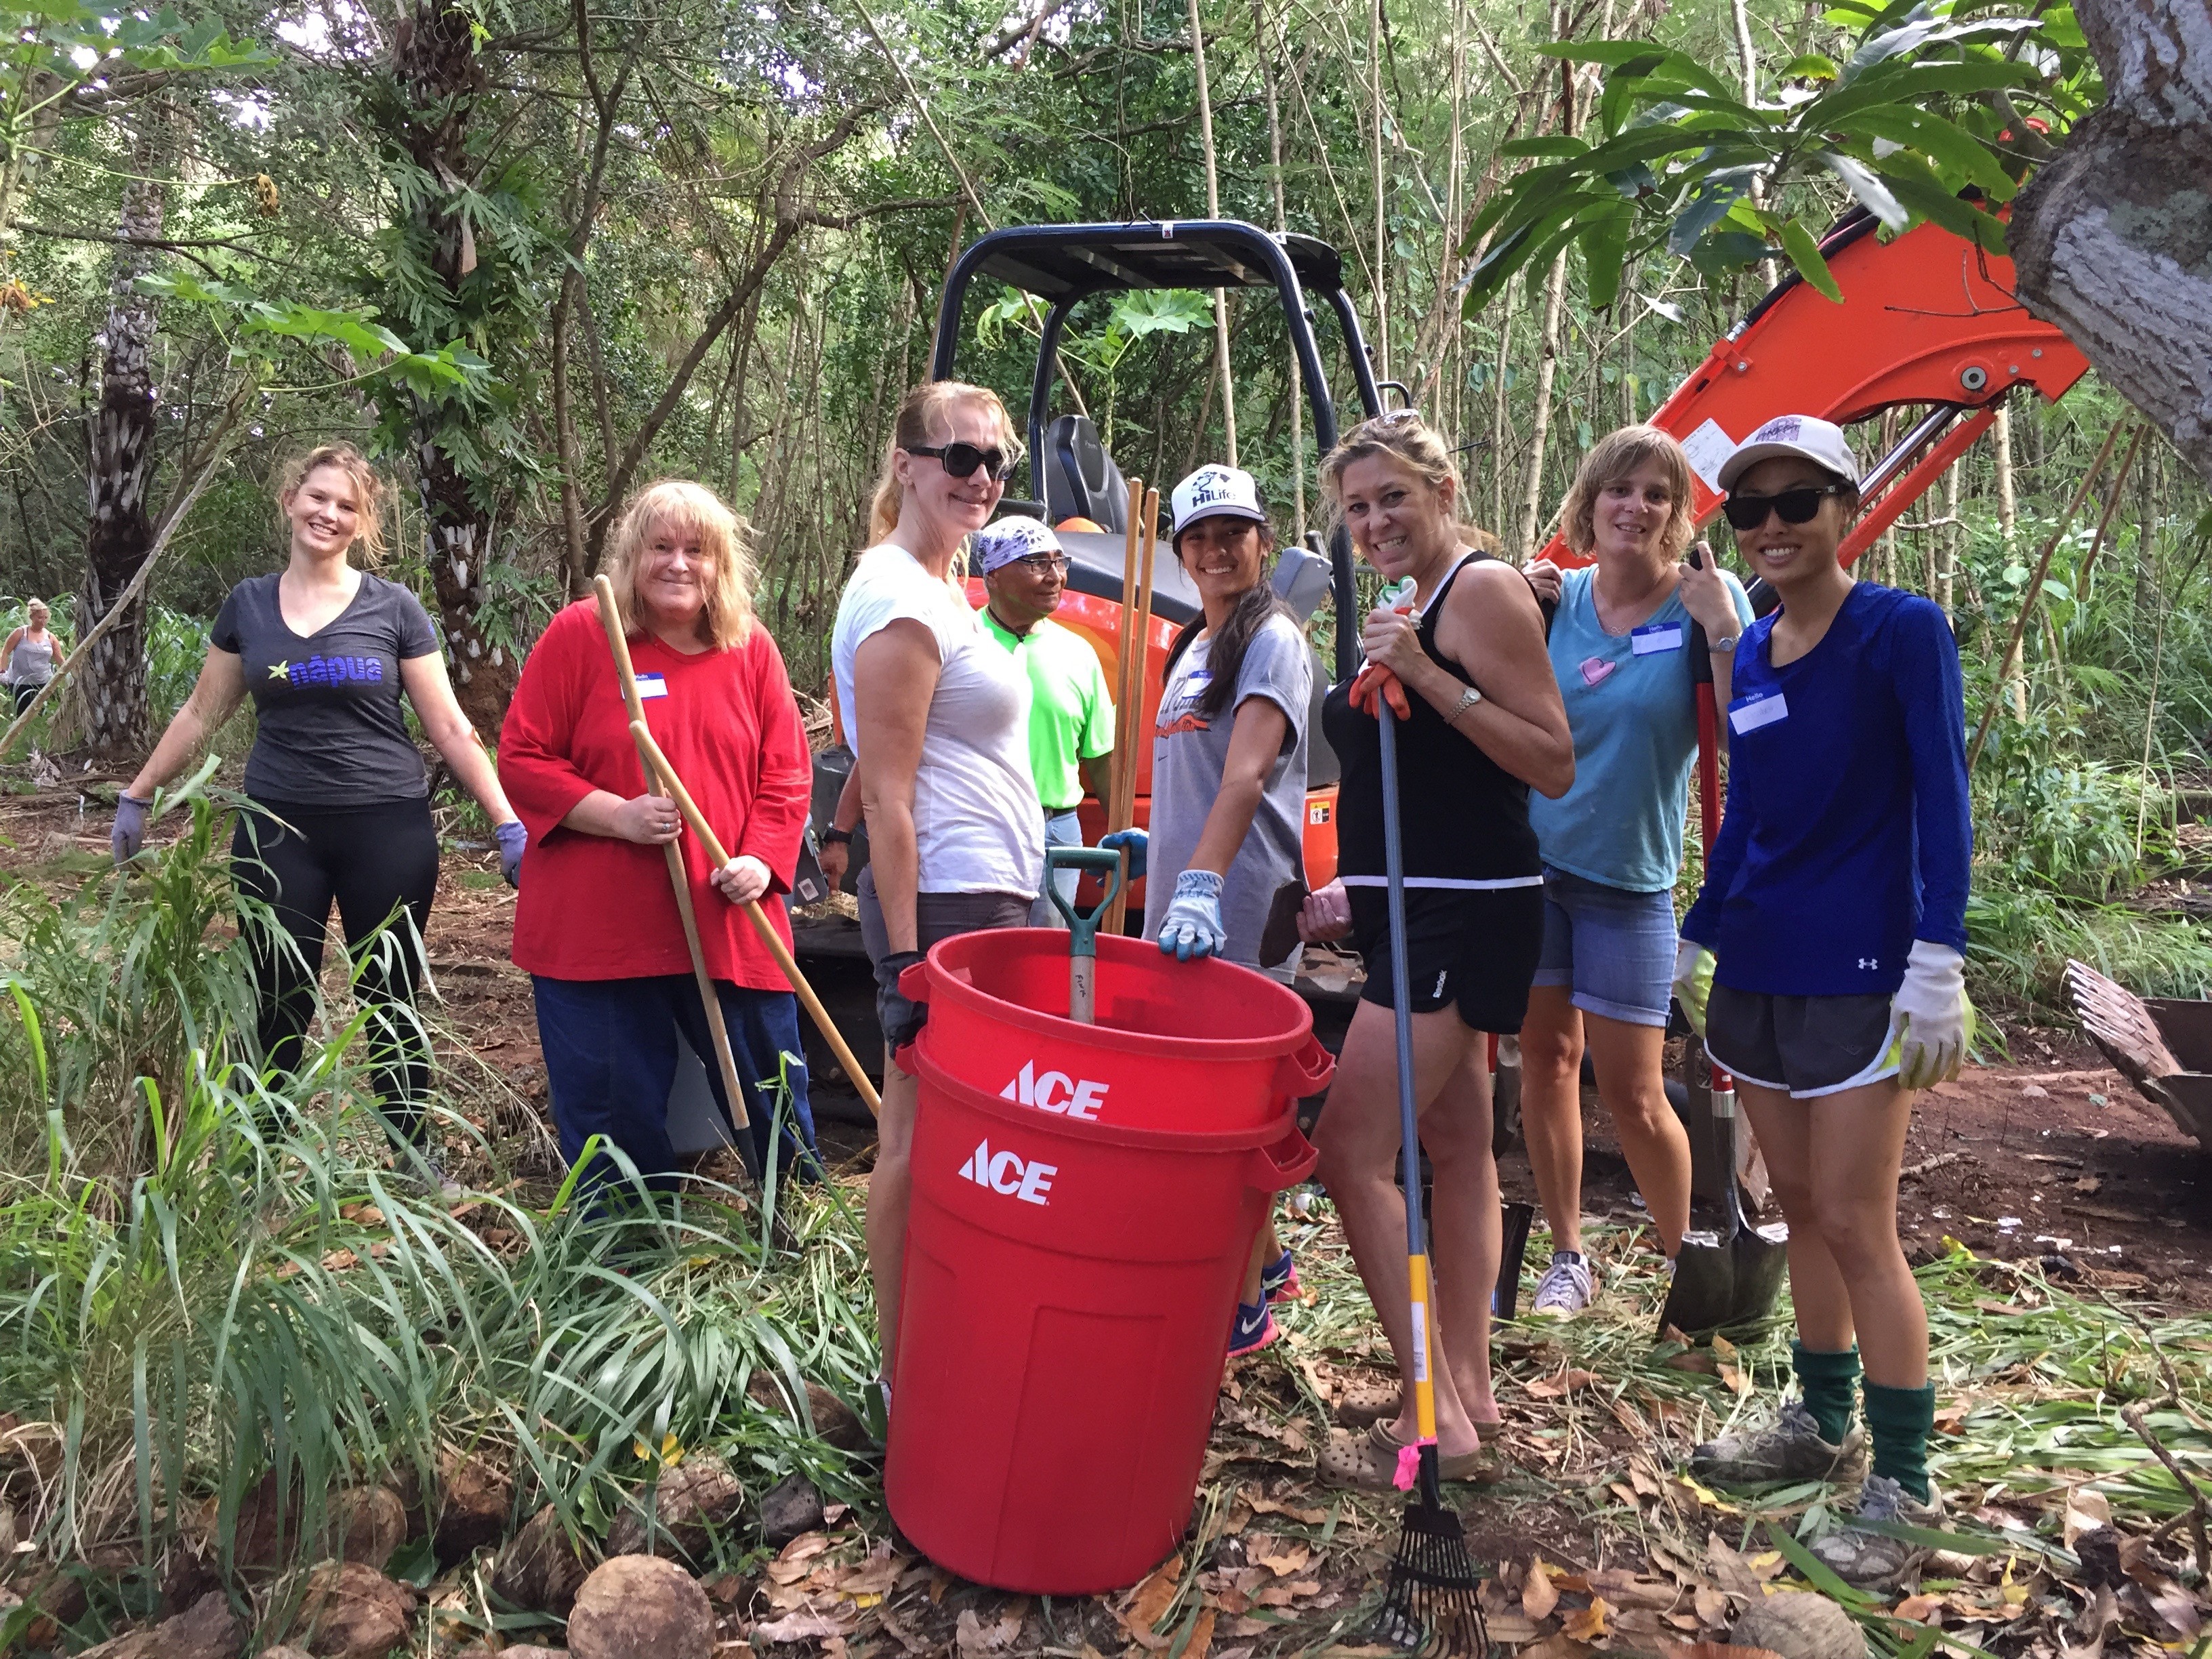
(1565, 1290)
(1869, 1558)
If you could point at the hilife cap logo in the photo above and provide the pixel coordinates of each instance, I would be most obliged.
(1819, 441)
(1216, 492)
(1015, 536)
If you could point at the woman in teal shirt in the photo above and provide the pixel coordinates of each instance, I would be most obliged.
(1621, 647)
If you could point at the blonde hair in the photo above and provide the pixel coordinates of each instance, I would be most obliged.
(37, 608)
(921, 420)
(723, 537)
(1613, 458)
(1404, 436)
(369, 491)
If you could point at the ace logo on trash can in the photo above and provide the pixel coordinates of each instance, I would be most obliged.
(1055, 1091)
(1007, 1172)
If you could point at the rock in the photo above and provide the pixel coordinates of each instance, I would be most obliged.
(285, 1651)
(538, 1568)
(696, 1498)
(637, 1607)
(359, 1523)
(475, 1498)
(368, 1523)
(1799, 1626)
(349, 1611)
(835, 1423)
(59, 1594)
(791, 1509)
(206, 1629)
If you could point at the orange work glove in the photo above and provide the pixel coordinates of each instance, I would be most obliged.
(1374, 683)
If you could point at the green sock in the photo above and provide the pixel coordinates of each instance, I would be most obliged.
(1829, 1382)
(1899, 1421)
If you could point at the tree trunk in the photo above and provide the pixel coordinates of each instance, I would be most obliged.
(1213, 211)
(113, 684)
(440, 77)
(2014, 682)
(2108, 240)
(1524, 544)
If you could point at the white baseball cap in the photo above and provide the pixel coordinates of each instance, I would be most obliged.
(1216, 491)
(1819, 441)
(1014, 536)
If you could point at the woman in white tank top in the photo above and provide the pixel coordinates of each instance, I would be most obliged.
(29, 656)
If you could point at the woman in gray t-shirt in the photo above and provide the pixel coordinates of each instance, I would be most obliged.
(29, 656)
(1228, 775)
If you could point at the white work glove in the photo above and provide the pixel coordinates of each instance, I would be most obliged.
(1931, 1006)
(1693, 981)
(1192, 927)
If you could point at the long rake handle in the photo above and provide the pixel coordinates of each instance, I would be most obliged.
(725, 1061)
(658, 764)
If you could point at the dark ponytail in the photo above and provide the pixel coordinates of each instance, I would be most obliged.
(1225, 660)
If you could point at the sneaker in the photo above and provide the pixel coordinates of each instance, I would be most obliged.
(430, 1173)
(1565, 1289)
(1254, 1328)
(1788, 1449)
(1869, 1558)
(1279, 1280)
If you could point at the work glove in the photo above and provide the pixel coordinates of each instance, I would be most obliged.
(1191, 927)
(1931, 1008)
(1134, 842)
(511, 838)
(902, 1020)
(1693, 981)
(129, 832)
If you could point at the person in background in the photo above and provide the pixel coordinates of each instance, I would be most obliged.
(596, 926)
(1621, 645)
(1480, 726)
(339, 800)
(938, 716)
(30, 654)
(1024, 573)
(1229, 777)
(1831, 932)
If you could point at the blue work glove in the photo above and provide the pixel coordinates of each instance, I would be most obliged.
(129, 832)
(511, 838)
(1132, 842)
(1192, 927)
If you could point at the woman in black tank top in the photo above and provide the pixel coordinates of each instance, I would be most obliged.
(1482, 725)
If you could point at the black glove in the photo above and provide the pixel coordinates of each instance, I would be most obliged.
(902, 1020)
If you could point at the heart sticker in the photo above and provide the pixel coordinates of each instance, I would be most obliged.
(1596, 668)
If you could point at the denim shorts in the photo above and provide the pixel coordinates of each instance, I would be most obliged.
(1614, 948)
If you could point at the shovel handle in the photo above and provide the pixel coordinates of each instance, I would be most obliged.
(1106, 861)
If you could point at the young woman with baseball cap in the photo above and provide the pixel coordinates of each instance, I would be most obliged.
(1831, 931)
(938, 716)
(1228, 775)
(1482, 725)
(1621, 647)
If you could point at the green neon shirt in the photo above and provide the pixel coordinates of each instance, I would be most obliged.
(1070, 715)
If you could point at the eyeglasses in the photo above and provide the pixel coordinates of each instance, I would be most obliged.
(1045, 564)
(1796, 506)
(961, 460)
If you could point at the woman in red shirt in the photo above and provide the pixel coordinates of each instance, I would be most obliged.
(596, 924)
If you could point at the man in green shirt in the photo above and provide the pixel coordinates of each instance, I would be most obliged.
(1024, 573)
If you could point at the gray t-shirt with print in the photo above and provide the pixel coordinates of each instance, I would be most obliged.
(1189, 754)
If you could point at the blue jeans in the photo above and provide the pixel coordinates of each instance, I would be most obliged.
(1061, 830)
(1614, 948)
(611, 1059)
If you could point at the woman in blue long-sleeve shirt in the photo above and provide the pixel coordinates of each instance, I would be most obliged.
(1832, 930)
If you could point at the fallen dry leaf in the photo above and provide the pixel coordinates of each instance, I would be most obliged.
(1201, 1636)
(1154, 1596)
(1261, 1505)
(805, 1627)
(1557, 1646)
(1510, 1627)
(1286, 1561)
(1539, 1594)
(2087, 1508)
(1587, 1624)
(1557, 1388)
(1918, 1608)
(1712, 1606)
(1626, 1590)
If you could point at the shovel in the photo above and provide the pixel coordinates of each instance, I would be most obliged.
(1083, 931)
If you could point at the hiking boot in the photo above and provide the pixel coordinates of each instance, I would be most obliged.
(1871, 1558)
(1279, 1280)
(1565, 1289)
(1254, 1328)
(1788, 1449)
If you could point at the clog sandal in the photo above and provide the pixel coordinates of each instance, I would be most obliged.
(1364, 1402)
(1369, 1462)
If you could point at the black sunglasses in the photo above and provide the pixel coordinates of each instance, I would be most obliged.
(1796, 506)
(961, 460)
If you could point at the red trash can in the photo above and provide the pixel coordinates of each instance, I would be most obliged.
(1177, 1045)
(1063, 1327)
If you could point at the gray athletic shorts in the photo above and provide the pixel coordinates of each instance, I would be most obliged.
(1803, 1046)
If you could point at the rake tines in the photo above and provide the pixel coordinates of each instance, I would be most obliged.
(1431, 1601)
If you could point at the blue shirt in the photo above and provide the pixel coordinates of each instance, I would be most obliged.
(1633, 708)
(1847, 835)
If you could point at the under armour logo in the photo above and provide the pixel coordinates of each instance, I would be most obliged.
(1868, 965)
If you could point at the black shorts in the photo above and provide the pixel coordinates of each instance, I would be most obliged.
(1476, 952)
(1800, 1046)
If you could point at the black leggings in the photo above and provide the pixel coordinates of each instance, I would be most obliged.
(374, 860)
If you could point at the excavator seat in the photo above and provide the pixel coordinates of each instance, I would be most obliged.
(1080, 479)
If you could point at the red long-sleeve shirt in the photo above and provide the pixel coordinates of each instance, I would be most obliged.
(594, 907)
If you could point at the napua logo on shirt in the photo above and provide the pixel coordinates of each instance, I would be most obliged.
(1007, 1173)
(330, 671)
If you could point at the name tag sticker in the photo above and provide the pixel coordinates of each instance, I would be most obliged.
(1198, 676)
(1754, 712)
(650, 686)
(1656, 636)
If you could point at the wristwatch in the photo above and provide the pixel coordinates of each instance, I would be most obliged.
(1726, 643)
(1467, 699)
(833, 834)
